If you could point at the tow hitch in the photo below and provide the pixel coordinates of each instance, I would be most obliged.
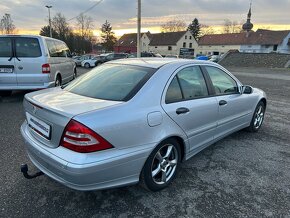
(24, 170)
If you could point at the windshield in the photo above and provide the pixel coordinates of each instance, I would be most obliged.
(111, 82)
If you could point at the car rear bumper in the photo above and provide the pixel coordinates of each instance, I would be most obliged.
(27, 87)
(109, 172)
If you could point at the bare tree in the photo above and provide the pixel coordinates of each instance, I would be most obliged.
(174, 26)
(6, 25)
(232, 26)
(85, 26)
(60, 25)
(206, 30)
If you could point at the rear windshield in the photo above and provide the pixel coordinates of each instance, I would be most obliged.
(5, 47)
(27, 47)
(111, 82)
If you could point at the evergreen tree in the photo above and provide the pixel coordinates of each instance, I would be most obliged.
(108, 36)
(194, 28)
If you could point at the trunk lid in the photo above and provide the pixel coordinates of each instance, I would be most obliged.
(49, 111)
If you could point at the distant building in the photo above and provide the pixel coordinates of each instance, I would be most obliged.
(261, 41)
(173, 43)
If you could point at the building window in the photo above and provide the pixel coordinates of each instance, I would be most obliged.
(190, 45)
(169, 48)
(184, 45)
(190, 37)
(275, 47)
(185, 37)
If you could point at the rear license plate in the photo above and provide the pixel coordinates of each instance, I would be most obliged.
(6, 70)
(38, 126)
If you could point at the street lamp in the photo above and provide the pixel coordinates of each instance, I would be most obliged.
(49, 20)
(139, 30)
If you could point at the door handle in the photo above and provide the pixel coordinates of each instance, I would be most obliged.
(222, 102)
(182, 110)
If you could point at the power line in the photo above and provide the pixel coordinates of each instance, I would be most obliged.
(92, 7)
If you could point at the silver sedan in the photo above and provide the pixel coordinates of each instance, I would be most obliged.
(135, 120)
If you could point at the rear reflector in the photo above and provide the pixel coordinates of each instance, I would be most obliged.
(79, 138)
(45, 68)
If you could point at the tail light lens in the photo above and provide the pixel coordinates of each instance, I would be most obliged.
(45, 68)
(79, 138)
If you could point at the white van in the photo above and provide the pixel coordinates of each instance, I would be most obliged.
(33, 62)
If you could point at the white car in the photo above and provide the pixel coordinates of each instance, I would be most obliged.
(90, 62)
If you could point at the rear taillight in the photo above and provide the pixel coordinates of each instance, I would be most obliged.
(45, 68)
(79, 138)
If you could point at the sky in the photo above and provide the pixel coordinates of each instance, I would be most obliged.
(30, 15)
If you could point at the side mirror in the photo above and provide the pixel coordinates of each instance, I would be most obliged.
(247, 90)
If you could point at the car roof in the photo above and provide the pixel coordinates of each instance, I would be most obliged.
(156, 62)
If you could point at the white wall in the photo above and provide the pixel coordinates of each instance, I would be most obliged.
(210, 49)
(145, 43)
(284, 47)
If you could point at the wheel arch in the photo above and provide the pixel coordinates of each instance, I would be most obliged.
(264, 101)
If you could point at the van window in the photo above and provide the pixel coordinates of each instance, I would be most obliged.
(27, 47)
(51, 48)
(61, 49)
(57, 48)
(5, 47)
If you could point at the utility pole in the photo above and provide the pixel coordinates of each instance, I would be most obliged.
(139, 30)
(49, 20)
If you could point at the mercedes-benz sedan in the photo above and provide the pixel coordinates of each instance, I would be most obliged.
(135, 119)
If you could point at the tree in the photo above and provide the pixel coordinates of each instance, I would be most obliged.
(108, 37)
(60, 25)
(206, 30)
(85, 26)
(194, 28)
(173, 26)
(231, 26)
(45, 31)
(6, 25)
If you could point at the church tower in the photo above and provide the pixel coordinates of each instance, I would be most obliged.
(248, 26)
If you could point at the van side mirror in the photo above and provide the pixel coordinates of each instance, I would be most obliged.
(247, 90)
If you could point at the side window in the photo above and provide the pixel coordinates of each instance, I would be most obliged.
(27, 47)
(51, 48)
(222, 82)
(173, 93)
(192, 83)
(5, 47)
(60, 47)
(188, 83)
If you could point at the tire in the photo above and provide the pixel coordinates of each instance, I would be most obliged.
(164, 163)
(258, 118)
(98, 64)
(57, 81)
(5, 93)
(87, 65)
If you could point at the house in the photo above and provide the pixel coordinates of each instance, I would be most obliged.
(128, 43)
(261, 41)
(174, 43)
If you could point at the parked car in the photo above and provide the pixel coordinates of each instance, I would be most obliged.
(78, 60)
(33, 62)
(90, 62)
(109, 57)
(202, 58)
(130, 120)
(145, 55)
(171, 56)
(214, 58)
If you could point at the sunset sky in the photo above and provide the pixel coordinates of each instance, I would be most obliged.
(30, 15)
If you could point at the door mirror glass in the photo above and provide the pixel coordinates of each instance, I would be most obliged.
(247, 90)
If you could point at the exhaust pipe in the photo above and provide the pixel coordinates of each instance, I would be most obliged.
(24, 170)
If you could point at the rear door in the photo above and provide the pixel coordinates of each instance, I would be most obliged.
(7, 64)
(188, 103)
(233, 106)
(28, 62)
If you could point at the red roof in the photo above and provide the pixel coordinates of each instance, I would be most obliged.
(260, 37)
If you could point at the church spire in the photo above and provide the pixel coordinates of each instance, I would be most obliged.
(248, 26)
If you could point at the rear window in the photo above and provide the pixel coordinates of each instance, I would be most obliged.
(111, 82)
(5, 47)
(27, 47)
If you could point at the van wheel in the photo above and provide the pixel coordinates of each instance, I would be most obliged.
(57, 81)
(161, 166)
(5, 93)
(87, 65)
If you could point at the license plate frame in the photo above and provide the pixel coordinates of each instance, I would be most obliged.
(39, 126)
